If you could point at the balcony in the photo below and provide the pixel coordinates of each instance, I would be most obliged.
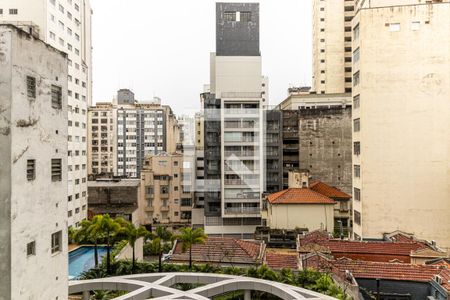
(149, 209)
(164, 208)
(164, 195)
(242, 182)
(242, 210)
(290, 135)
(291, 147)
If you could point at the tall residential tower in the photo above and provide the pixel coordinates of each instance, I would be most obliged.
(401, 119)
(234, 140)
(65, 25)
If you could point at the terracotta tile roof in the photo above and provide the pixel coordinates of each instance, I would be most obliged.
(314, 236)
(327, 190)
(220, 250)
(281, 260)
(400, 237)
(445, 275)
(383, 270)
(371, 247)
(298, 196)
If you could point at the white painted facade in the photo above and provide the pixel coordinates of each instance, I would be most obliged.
(33, 168)
(66, 25)
(401, 120)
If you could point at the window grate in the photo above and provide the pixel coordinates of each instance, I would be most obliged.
(56, 169)
(56, 97)
(31, 87)
(31, 169)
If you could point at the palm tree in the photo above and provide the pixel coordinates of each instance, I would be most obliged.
(160, 236)
(109, 229)
(89, 233)
(132, 234)
(191, 237)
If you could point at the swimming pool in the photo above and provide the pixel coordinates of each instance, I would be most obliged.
(82, 259)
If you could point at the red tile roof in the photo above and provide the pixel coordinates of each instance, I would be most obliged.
(281, 260)
(327, 190)
(220, 250)
(371, 247)
(299, 196)
(383, 270)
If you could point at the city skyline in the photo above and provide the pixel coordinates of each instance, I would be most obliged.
(287, 53)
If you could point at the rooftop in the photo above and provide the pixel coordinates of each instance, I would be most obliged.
(114, 183)
(299, 196)
(327, 190)
(221, 250)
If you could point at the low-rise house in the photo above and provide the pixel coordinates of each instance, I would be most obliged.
(222, 251)
(386, 280)
(406, 251)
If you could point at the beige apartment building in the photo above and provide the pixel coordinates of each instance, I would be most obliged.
(102, 141)
(332, 46)
(168, 200)
(401, 119)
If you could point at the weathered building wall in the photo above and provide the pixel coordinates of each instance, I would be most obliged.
(32, 207)
(403, 118)
(325, 137)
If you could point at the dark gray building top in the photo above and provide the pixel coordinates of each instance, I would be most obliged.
(237, 29)
(125, 96)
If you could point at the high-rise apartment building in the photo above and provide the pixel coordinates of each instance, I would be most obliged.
(102, 139)
(65, 25)
(123, 132)
(33, 168)
(401, 119)
(332, 46)
(233, 120)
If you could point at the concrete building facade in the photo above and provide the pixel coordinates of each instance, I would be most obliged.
(332, 46)
(401, 119)
(66, 25)
(234, 138)
(124, 131)
(33, 168)
(162, 190)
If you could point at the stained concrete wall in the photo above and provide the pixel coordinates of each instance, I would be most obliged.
(325, 137)
(32, 210)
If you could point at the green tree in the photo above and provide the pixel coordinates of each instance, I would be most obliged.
(132, 234)
(109, 228)
(159, 237)
(190, 237)
(89, 232)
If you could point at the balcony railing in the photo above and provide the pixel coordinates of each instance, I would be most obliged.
(241, 181)
(242, 210)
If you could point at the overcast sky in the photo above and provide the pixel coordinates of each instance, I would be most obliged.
(161, 48)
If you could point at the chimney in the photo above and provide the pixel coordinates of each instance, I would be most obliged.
(298, 179)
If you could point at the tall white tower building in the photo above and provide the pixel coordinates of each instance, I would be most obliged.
(33, 168)
(65, 25)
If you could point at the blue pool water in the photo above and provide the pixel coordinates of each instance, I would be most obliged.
(82, 259)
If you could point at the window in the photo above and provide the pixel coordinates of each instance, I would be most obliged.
(56, 97)
(357, 217)
(77, 210)
(61, 25)
(56, 169)
(394, 27)
(415, 25)
(52, 35)
(69, 198)
(1, 11)
(357, 148)
(69, 213)
(356, 125)
(229, 16)
(357, 194)
(52, 2)
(246, 16)
(77, 37)
(356, 79)
(77, 8)
(31, 169)
(356, 55)
(61, 8)
(356, 102)
(31, 87)
(61, 41)
(175, 188)
(356, 32)
(31, 248)
(13, 11)
(164, 189)
(357, 170)
(56, 242)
